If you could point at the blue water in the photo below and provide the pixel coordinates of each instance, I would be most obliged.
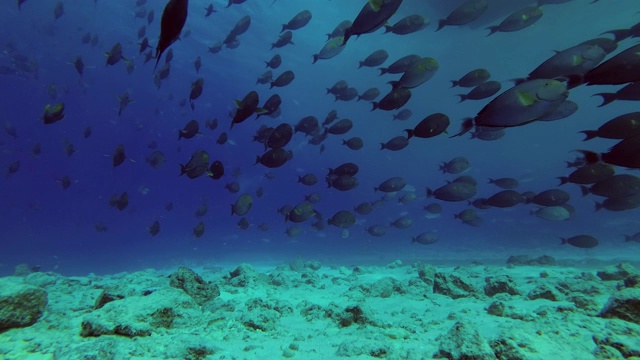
(42, 224)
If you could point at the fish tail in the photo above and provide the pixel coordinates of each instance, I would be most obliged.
(607, 98)
(467, 125)
(463, 97)
(589, 134)
(584, 190)
(383, 71)
(315, 58)
(590, 156)
(598, 206)
(492, 30)
(441, 23)
(563, 180)
(361, 64)
(627, 238)
(455, 83)
(409, 133)
(563, 241)
(374, 104)
(284, 27)
(619, 34)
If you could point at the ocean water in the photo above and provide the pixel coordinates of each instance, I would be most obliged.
(41, 224)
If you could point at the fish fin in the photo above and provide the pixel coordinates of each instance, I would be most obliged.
(238, 103)
(493, 30)
(607, 98)
(589, 134)
(261, 111)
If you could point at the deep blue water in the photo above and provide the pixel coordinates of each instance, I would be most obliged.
(42, 224)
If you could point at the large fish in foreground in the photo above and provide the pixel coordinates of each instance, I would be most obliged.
(520, 105)
(372, 17)
(173, 18)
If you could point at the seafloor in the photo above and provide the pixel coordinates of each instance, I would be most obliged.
(520, 308)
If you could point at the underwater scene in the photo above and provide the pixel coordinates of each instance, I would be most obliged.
(320, 179)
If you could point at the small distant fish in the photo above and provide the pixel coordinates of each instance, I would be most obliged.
(124, 101)
(154, 229)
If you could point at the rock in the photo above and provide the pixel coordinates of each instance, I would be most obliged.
(106, 297)
(20, 305)
(426, 273)
(632, 281)
(297, 265)
(282, 307)
(264, 320)
(526, 260)
(280, 278)
(137, 315)
(313, 265)
(243, 276)
(463, 341)
(192, 284)
(496, 308)
(618, 272)
(43, 279)
(544, 291)
(506, 349)
(500, 284)
(604, 352)
(623, 305)
(383, 288)
(455, 286)
(354, 314)
(22, 270)
(394, 265)
(362, 347)
(626, 342)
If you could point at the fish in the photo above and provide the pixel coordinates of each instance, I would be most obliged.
(190, 130)
(473, 78)
(374, 59)
(53, 113)
(417, 74)
(115, 55)
(518, 20)
(620, 69)
(243, 205)
(197, 166)
(407, 25)
(209, 10)
(629, 92)
(342, 219)
(154, 229)
(426, 238)
(173, 19)
(331, 49)
(392, 184)
(432, 125)
(372, 16)
(581, 241)
(520, 105)
(300, 20)
(467, 12)
(247, 107)
(124, 100)
(274, 62)
(620, 127)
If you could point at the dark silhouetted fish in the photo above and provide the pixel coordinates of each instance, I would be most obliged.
(173, 18)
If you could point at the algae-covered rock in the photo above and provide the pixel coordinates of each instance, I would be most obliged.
(192, 284)
(137, 315)
(362, 347)
(20, 305)
(623, 305)
(544, 291)
(501, 284)
(455, 286)
(463, 341)
(618, 272)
